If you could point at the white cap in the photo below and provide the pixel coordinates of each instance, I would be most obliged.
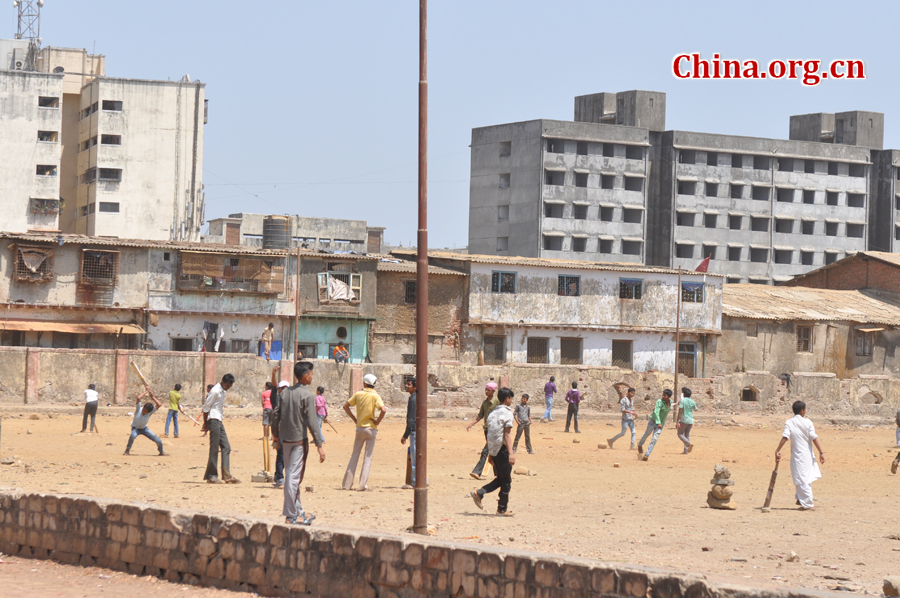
(370, 379)
(283, 384)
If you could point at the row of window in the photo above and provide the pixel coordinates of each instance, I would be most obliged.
(106, 105)
(631, 215)
(752, 254)
(784, 225)
(104, 140)
(581, 245)
(804, 334)
(109, 207)
(782, 194)
(103, 174)
(584, 180)
(765, 163)
(570, 286)
(591, 148)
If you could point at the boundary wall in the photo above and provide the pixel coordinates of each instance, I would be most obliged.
(280, 560)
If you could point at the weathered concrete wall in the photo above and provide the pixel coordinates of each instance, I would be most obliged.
(279, 560)
(12, 376)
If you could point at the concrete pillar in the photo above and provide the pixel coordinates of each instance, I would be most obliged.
(32, 375)
(356, 376)
(209, 370)
(287, 371)
(121, 381)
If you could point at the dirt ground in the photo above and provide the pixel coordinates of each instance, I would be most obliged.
(577, 503)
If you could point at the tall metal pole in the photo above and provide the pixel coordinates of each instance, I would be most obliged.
(420, 507)
(677, 336)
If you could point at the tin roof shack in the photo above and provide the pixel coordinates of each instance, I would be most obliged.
(546, 311)
(220, 298)
(864, 270)
(799, 330)
(71, 292)
(395, 324)
(337, 304)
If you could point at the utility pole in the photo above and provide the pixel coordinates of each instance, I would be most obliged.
(677, 336)
(420, 506)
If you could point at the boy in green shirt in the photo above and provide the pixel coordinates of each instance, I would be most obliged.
(174, 408)
(686, 419)
(657, 421)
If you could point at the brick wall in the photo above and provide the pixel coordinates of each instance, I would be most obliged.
(851, 274)
(280, 560)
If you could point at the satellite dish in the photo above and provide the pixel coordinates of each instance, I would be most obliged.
(59, 69)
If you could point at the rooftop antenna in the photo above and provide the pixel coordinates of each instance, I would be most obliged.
(30, 28)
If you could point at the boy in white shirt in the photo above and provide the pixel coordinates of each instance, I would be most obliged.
(91, 400)
(804, 469)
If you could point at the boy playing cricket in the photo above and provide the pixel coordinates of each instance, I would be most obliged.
(655, 426)
(522, 415)
(174, 408)
(627, 405)
(140, 421)
(685, 419)
(500, 423)
(804, 469)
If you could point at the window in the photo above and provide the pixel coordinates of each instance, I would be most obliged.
(503, 212)
(89, 110)
(621, 354)
(709, 251)
(687, 187)
(48, 102)
(553, 243)
(607, 181)
(760, 193)
(167, 256)
(338, 282)
(505, 148)
(735, 221)
(91, 208)
(553, 210)
(502, 243)
(785, 165)
(555, 178)
(111, 139)
(833, 168)
(712, 189)
(112, 105)
(686, 157)
(712, 159)
(831, 229)
(537, 350)
(409, 291)
(684, 218)
(46, 170)
(809, 196)
(856, 200)
(632, 216)
(609, 150)
(737, 161)
(809, 227)
(692, 292)
(34, 264)
(855, 230)
(240, 345)
(897, 233)
(579, 244)
(687, 359)
(581, 179)
(760, 225)
(556, 146)
(806, 258)
(633, 183)
(494, 348)
(709, 220)
(580, 212)
(631, 288)
(737, 190)
(804, 339)
(581, 148)
(108, 206)
(784, 256)
(606, 245)
(570, 351)
(786, 195)
(758, 280)
(750, 394)
(504, 181)
(760, 163)
(759, 255)
(333, 346)
(733, 280)
(857, 170)
(784, 225)
(809, 166)
(48, 136)
(569, 286)
(182, 344)
(111, 174)
(864, 343)
(734, 254)
(307, 350)
(503, 282)
(830, 257)
(634, 152)
(753, 329)
(831, 198)
(630, 247)
(684, 251)
(99, 268)
(606, 213)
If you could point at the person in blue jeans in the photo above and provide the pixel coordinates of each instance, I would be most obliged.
(174, 408)
(627, 405)
(573, 398)
(657, 421)
(549, 391)
(140, 421)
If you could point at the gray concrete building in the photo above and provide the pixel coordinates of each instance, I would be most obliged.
(614, 185)
(326, 234)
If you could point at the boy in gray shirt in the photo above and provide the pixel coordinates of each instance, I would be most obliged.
(522, 415)
(627, 405)
(140, 421)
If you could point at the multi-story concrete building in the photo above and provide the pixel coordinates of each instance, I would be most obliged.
(616, 186)
(327, 234)
(97, 156)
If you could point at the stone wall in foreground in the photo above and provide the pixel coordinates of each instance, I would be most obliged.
(280, 560)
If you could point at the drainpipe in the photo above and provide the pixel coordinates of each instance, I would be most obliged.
(771, 260)
(296, 334)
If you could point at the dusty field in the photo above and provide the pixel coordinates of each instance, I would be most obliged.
(652, 513)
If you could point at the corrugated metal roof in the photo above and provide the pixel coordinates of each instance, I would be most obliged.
(762, 302)
(410, 268)
(554, 263)
(76, 327)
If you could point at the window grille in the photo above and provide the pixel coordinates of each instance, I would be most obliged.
(494, 350)
(409, 289)
(570, 351)
(687, 359)
(34, 264)
(804, 339)
(864, 343)
(307, 350)
(569, 286)
(220, 272)
(631, 288)
(537, 350)
(99, 268)
(622, 354)
(503, 282)
(692, 292)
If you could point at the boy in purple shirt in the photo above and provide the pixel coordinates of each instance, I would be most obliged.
(321, 409)
(549, 391)
(573, 398)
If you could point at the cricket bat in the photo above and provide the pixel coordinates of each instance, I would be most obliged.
(765, 508)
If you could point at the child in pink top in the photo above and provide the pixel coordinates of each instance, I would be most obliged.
(321, 408)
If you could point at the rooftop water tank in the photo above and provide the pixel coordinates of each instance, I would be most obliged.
(276, 232)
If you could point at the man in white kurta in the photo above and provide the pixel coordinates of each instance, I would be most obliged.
(804, 469)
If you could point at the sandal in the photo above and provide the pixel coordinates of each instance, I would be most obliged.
(307, 520)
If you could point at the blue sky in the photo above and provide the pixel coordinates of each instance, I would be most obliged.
(312, 105)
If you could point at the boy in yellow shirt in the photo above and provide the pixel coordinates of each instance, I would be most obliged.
(174, 408)
(367, 403)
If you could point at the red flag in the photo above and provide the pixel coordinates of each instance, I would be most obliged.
(704, 265)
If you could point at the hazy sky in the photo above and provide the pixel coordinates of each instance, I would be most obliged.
(312, 105)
